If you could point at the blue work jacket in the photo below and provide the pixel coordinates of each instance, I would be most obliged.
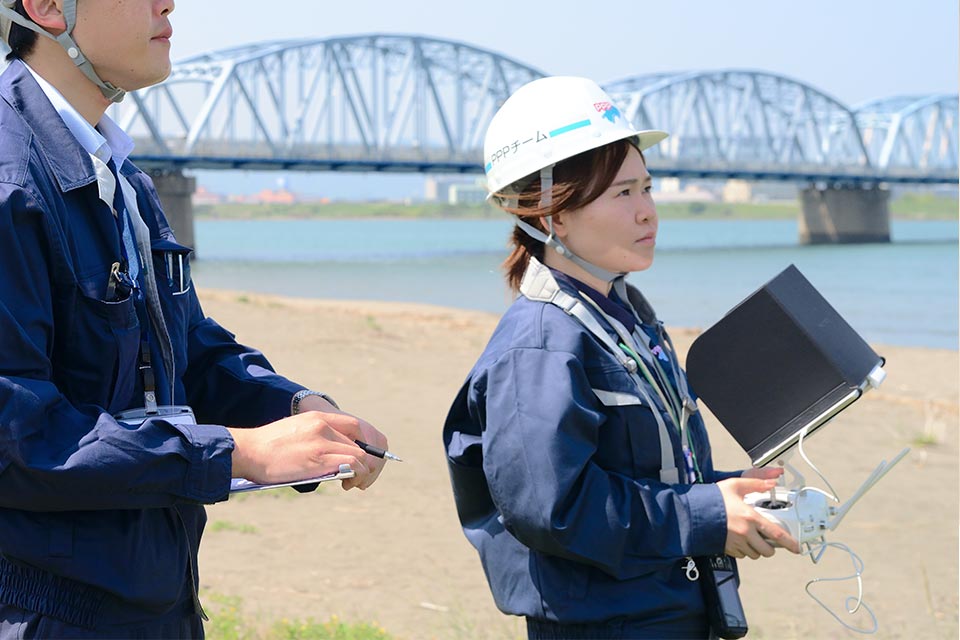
(100, 523)
(560, 493)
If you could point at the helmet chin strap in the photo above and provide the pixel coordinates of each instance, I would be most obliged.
(66, 41)
(551, 241)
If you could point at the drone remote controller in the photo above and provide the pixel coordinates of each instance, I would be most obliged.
(804, 514)
(807, 513)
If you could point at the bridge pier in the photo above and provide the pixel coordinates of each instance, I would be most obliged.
(844, 214)
(175, 191)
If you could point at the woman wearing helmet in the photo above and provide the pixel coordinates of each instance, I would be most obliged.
(580, 467)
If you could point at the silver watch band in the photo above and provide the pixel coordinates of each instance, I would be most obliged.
(303, 393)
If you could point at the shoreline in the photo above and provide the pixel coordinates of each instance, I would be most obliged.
(399, 365)
(283, 217)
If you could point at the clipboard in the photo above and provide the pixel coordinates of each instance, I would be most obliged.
(242, 485)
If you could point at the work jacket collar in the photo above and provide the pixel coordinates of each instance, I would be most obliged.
(66, 158)
(540, 283)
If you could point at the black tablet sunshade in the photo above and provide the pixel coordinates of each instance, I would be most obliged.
(781, 363)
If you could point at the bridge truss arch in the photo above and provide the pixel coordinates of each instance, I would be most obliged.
(751, 120)
(911, 132)
(369, 102)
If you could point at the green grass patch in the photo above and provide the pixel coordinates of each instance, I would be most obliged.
(226, 525)
(919, 205)
(731, 211)
(332, 629)
(924, 440)
(229, 622)
(925, 206)
(335, 210)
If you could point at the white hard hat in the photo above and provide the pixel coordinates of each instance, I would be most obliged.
(549, 120)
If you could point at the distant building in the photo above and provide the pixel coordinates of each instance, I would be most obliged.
(467, 194)
(275, 196)
(761, 191)
(454, 189)
(673, 190)
(203, 196)
(736, 191)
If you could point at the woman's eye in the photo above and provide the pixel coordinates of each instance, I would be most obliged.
(625, 192)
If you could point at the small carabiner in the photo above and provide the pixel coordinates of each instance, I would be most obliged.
(691, 570)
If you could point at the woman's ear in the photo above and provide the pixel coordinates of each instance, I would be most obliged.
(560, 228)
(47, 14)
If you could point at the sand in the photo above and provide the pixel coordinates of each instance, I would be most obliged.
(395, 555)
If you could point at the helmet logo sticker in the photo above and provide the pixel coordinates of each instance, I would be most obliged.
(512, 148)
(609, 111)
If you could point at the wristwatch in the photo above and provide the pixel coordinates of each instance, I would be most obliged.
(303, 393)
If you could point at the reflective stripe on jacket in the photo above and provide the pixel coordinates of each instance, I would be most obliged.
(554, 458)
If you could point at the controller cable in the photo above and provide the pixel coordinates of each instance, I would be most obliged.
(815, 552)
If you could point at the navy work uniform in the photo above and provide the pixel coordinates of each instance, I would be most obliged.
(100, 522)
(569, 474)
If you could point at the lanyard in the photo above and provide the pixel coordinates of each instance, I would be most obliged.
(130, 283)
(679, 408)
(689, 457)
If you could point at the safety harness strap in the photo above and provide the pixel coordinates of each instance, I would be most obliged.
(538, 284)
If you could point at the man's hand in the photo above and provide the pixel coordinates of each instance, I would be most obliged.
(747, 531)
(309, 444)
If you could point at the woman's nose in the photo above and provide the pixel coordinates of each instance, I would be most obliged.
(646, 210)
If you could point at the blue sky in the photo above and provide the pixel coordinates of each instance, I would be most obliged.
(853, 50)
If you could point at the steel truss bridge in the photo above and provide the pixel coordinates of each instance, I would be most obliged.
(398, 103)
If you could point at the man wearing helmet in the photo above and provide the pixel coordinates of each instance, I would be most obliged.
(581, 469)
(104, 470)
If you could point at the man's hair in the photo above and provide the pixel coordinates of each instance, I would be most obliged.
(21, 40)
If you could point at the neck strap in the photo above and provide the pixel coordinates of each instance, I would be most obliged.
(538, 284)
(65, 40)
(551, 241)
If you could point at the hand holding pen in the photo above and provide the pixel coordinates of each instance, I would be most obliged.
(367, 448)
(375, 451)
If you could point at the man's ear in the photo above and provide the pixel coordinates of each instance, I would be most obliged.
(47, 14)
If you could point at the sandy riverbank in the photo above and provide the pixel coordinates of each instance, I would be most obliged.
(395, 554)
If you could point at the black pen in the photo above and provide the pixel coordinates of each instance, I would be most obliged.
(374, 451)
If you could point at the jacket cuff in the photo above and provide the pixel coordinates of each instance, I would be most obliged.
(211, 450)
(708, 517)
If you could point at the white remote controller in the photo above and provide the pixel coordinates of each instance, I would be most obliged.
(808, 513)
(804, 514)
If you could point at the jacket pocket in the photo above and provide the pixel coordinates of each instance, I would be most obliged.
(104, 345)
(630, 436)
(171, 263)
(617, 398)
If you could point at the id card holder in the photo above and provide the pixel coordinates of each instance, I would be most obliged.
(174, 414)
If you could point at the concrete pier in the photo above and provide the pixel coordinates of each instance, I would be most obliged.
(176, 190)
(836, 215)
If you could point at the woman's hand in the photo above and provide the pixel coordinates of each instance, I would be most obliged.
(748, 533)
(763, 473)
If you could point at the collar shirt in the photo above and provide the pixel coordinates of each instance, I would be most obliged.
(104, 142)
(69, 359)
(108, 143)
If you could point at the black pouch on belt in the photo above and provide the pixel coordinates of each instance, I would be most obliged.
(720, 584)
